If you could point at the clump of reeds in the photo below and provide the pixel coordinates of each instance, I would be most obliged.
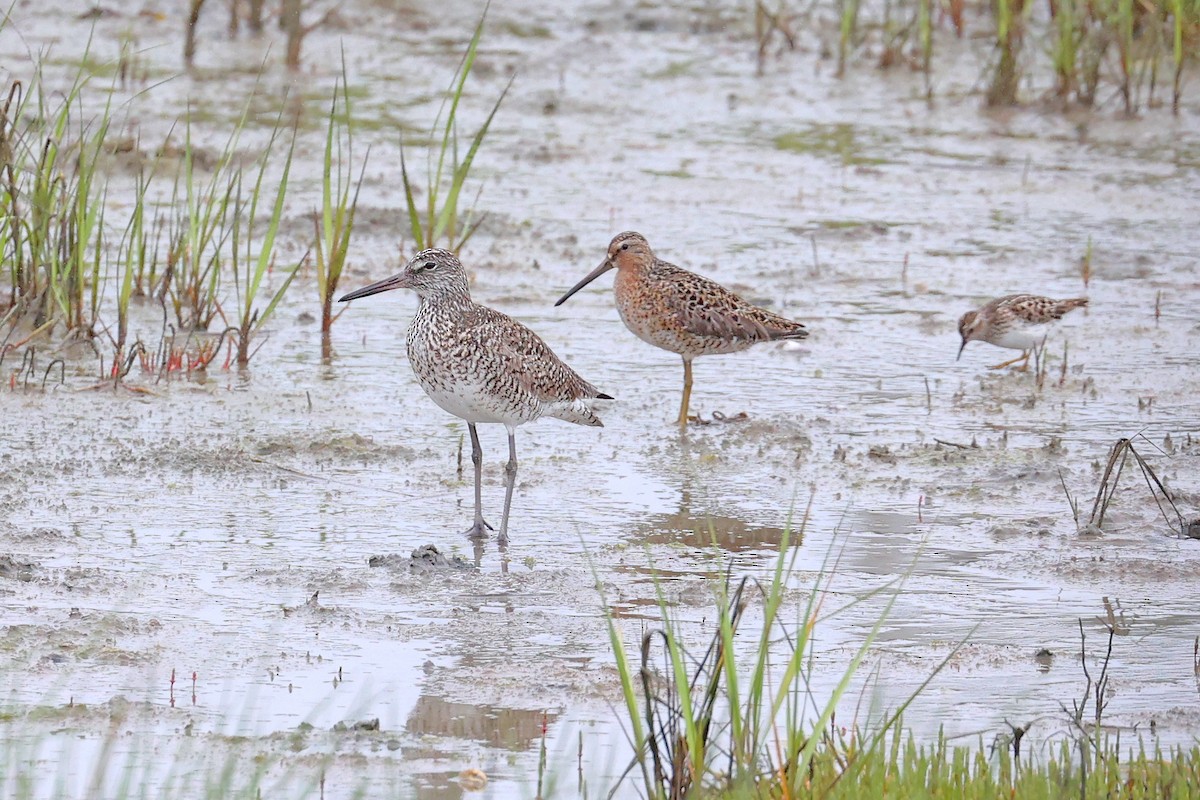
(336, 221)
(248, 273)
(446, 173)
(742, 721)
(66, 270)
(1129, 45)
(714, 723)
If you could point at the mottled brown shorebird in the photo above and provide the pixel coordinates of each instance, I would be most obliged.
(1015, 321)
(681, 311)
(481, 365)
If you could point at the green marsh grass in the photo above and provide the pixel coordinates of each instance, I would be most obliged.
(52, 203)
(199, 233)
(71, 259)
(1082, 47)
(248, 274)
(441, 220)
(848, 24)
(132, 255)
(739, 719)
(742, 720)
(338, 207)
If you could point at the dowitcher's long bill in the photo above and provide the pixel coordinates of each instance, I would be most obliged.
(481, 365)
(681, 311)
(1016, 321)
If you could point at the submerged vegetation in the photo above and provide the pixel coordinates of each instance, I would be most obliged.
(1068, 50)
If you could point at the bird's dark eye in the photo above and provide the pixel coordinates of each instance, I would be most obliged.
(625, 246)
(430, 265)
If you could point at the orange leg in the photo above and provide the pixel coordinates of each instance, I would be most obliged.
(687, 393)
(1023, 358)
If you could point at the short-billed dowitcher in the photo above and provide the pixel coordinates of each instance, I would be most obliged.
(1016, 321)
(681, 311)
(481, 365)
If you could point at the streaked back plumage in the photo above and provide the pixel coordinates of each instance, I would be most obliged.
(1016, 321)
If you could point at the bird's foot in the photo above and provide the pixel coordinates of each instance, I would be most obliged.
(479, 530)
(718, 417)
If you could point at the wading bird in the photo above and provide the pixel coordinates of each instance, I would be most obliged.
(481, 365)
(1016, 321)
(681, 311)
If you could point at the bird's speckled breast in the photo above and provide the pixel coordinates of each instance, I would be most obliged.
(457, 376)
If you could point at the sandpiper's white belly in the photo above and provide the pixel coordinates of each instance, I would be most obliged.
(1023, 337)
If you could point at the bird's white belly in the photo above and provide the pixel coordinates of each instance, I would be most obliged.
(1022, 338)
(473, 403)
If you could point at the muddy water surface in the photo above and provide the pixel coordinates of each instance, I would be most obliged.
(224, 526)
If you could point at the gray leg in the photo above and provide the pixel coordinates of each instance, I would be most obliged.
(479, 529)
(510, 480)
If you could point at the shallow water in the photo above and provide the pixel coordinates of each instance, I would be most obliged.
(187, 530)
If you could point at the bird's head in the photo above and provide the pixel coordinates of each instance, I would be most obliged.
(628, 250)
(432, 274)
(971, 325)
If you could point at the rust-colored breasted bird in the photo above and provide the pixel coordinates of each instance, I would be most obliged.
(481, 365)
(681, 311)
(1015, 321)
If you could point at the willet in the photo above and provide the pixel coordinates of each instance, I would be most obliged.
(481, 365)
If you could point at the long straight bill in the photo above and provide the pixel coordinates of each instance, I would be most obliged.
(591, 276)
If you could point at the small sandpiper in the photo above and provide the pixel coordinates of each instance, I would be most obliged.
(1016, 321)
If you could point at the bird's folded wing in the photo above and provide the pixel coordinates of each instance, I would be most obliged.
(528, 360)
(705, 308)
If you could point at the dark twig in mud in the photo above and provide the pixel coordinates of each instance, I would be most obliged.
(62, 366)
(928, 397)
(1114, 617)
(1157, 306)
(27, 364)
(766, 24)
(1120, 453)
(189, 39)
(1016, 734)
(1039, 364)
(290, 22)
(1070, 499)
(1085, 264)
(1062, 376)
(972, 446)
(1105, 491)
(1093, 691)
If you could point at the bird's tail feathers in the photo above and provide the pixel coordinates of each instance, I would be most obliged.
(798, 332)
(576, 411)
